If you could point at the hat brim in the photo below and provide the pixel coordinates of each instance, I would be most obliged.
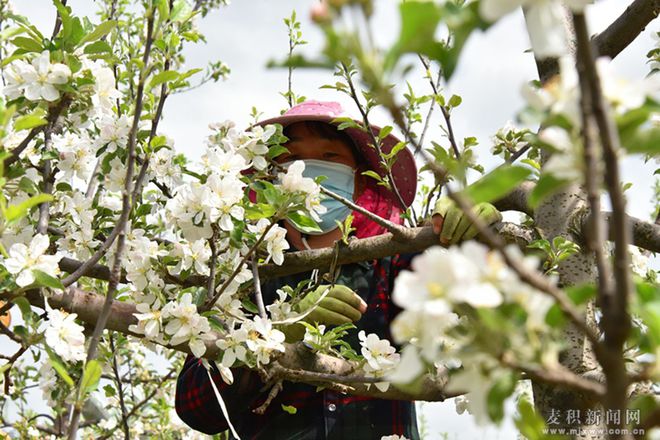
(404, 170)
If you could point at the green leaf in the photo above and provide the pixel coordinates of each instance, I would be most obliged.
(275, 151)
(34, 119)
(373, 175)
(582, 293)
(643, 141)
(45, 280)
(23, 305)
(497, 183)
(91, 377)
(499, 392)
(384, 132)
(27, 44)
(455, 101)
(545, 187)
(162, 77)
(529, 423)
(100, 30)
(250, 306)
(303, 222)
(28, 186)
(181, 11)
(56, 363)
(97, 47)
(290, 409)
(16, 212)
(419, 21)
(259, 210)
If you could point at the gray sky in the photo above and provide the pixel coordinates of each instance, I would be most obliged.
(248, 33)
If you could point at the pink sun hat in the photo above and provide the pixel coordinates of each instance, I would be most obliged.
(404, 170)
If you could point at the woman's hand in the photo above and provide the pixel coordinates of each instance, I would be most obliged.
(454, 226)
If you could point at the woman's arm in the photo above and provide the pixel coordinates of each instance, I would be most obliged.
(196, 402)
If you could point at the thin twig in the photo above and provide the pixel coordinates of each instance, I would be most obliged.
(123, 220)
(427, 121)
(595, 237)
(141, 403)
(557, 375)
(614, 303)
(238, 269)
(258, 295)
(120, 387)
(397, 230)
(274, 391)
(445, 113)
(374, 140)
(524, 149)
(210, 285)
(58, 22)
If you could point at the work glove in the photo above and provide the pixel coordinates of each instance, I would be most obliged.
(454, 226)
(340, 305)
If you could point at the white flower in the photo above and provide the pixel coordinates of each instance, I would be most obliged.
(639, 263)
(186, 325)
(280, 309)
(232, 347)
(566, 163)
(441, 277)
(294, 181)
(15, 78)
(263, 339)
(76, 156)
(275, 240)
(195, 254)
(42, 77)
(64, 336)
(23, 260)
(106, 94)
(224, 163)
(477, 377)
(381, 357)
(625, 95)
(544, 21)
(150, 322)
(222, 202)
(116, 178)
(114, 132)
(393, 437)
(108, 424)
(163, 168)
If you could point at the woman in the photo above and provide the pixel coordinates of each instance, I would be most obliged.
(361, 294)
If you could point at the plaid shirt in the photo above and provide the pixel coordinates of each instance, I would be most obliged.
(320, 415)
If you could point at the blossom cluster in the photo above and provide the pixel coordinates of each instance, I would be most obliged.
(434, 295)
(380, 357)
(561, 97)
(36, 80)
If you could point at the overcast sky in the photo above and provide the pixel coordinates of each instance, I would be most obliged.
(248, 33)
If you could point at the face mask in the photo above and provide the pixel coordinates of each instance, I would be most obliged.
(341, 181)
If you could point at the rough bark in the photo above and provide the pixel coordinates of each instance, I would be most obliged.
(555, 217)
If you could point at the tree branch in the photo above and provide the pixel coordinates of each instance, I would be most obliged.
(618, 35)
(625, 28)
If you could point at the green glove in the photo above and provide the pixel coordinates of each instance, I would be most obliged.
(339, 306)
(454, 226)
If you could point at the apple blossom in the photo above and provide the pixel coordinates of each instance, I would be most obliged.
(23, 260)
(36, 80)
(63, 335)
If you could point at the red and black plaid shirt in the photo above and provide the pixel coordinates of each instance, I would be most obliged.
(319, 415)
